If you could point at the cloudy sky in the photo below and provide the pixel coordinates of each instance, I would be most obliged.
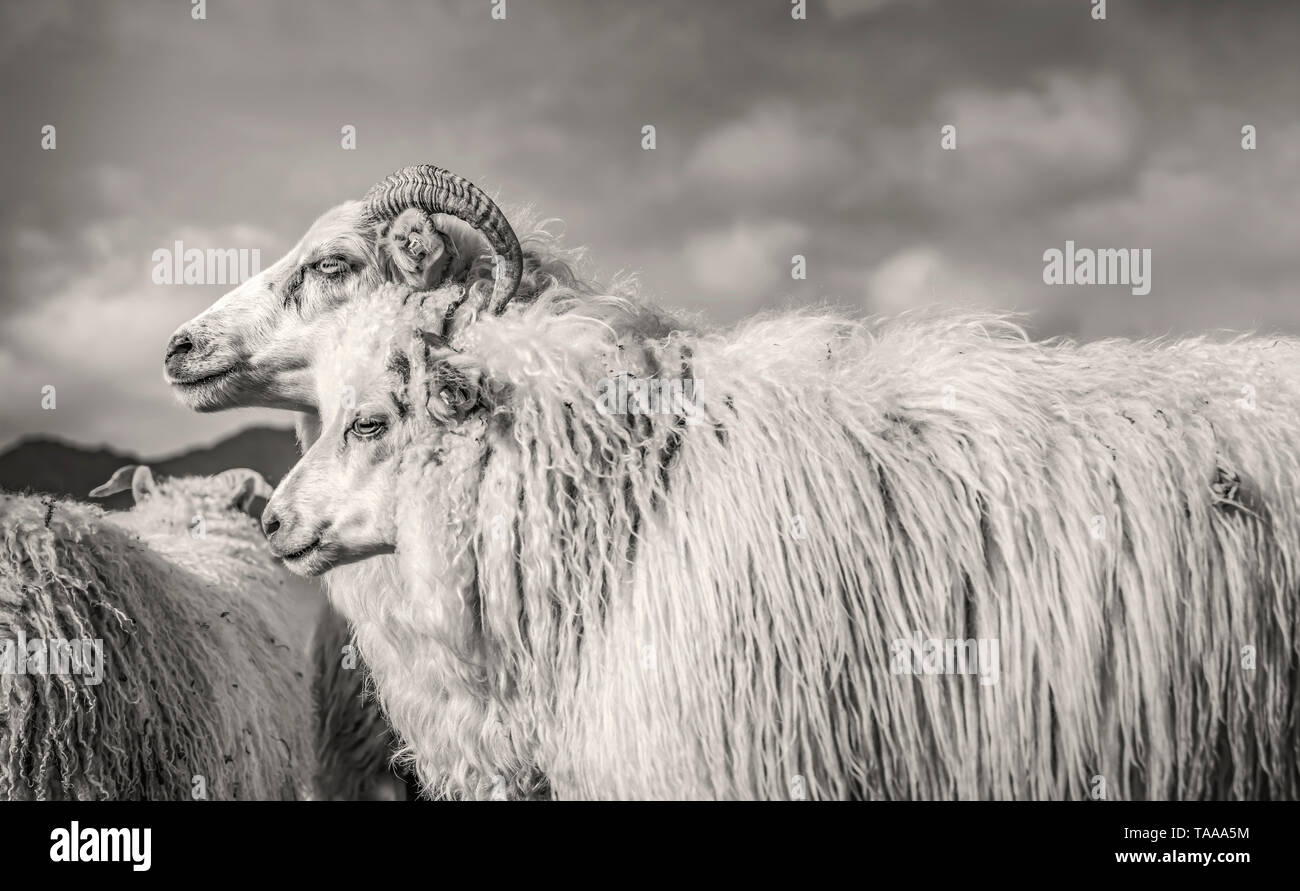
(775, 137)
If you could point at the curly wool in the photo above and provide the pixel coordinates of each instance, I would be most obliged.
(642, 607)
(552, 269)
(205, 688)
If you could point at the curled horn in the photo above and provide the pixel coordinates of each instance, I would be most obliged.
(136, 477)
(435, 190)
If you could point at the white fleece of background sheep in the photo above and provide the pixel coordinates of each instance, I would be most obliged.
(205, 670)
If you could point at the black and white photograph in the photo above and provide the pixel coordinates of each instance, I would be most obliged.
(407, 405)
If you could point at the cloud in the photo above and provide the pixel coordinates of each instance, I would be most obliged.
(775, 138)
(746, 263)
(923, 275)
(94, 350)
(21, 25)
(1021, 151)
(849, 9)
(115, 187)
(1029, 147)
(772, 150)
(93, 325)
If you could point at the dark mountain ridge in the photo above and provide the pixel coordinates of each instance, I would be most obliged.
(52, 466)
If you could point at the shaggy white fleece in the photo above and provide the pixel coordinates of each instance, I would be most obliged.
(205, 692)
(706, 603)
(369, 323)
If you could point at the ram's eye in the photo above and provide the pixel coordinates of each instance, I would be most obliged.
(368, 428)
(332, 266)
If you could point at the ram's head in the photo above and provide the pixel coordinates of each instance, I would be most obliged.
(255, 346)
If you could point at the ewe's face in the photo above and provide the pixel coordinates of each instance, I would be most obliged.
(337, 504)
(254, 346)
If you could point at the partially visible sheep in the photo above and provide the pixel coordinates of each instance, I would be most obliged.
(218, 517)
(204, 693)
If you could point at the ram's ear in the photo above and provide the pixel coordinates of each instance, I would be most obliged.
(136, 477)
(413, 251)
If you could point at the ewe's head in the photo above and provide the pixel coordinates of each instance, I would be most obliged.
(400, 408)
(335, 506)
(256, 345)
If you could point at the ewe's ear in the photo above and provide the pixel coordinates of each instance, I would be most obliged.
(136, 477)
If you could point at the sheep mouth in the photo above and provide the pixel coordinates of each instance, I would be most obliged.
(207, 379)
(315, 559)
(304, 552)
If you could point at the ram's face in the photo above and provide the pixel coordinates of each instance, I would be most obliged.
(254, 346)
(338, 503)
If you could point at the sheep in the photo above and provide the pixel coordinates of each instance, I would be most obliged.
(204, 691)
(739, 596)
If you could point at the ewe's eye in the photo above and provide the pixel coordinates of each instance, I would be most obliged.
(332, 266)
(368, 428)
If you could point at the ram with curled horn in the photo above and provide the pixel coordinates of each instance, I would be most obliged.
(256, 345)
(420, 230)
